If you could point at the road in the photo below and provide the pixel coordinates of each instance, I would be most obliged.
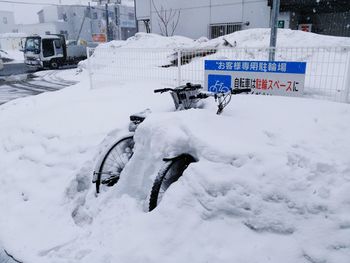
(21, 83)
(14, 69)
(7, 258)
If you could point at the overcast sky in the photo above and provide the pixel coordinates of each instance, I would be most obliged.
(27, 13)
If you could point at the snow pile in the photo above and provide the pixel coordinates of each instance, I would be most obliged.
(11, 56)
(260, 37)
(270, 184)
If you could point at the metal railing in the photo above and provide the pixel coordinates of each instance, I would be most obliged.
(327, 71)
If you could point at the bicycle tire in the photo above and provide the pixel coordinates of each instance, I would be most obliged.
(171, 172)
(114, 162)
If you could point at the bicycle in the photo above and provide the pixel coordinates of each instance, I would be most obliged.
(113, 161)
(109, 167)
(174, 167)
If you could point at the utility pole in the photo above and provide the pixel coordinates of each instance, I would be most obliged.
(137, 24)
(107, 24)
(274, 25)
(90, 20)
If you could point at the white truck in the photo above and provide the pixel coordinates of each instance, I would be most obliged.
(51, 51)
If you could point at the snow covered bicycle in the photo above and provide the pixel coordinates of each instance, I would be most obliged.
(174, 167)
(113, 161)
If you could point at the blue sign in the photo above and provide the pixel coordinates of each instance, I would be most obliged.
(256, 66)
(219, 83)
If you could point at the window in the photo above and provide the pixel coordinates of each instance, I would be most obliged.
(217, 30)
(33, 45)
(48, 49)
(58, 43)
(131, 16)
(47, 32)
(94, 15)
(4, 19)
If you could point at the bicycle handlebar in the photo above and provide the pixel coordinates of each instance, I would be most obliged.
(187, 87)
(163, 90)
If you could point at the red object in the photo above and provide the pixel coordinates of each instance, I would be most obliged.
(99, 38)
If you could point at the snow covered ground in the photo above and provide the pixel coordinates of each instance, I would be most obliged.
(11, 56)
(271, 183)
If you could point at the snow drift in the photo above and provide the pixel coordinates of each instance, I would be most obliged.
(271, 182)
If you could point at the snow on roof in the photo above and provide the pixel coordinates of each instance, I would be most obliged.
(46, 36)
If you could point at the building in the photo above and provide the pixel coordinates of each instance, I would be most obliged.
(43, 28)
(7, 22)
(85, 23)
(329, 17)
(199, 18)
(213, 18)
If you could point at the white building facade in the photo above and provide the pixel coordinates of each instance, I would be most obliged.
(197, 18)
(84, 23)
(7, 22)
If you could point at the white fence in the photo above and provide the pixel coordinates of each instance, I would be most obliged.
(327, 70)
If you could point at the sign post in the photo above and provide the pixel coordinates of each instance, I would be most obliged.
(263, 77)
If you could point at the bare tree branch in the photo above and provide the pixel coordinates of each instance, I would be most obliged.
(168, 20)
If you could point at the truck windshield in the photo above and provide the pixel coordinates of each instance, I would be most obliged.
(33, 45)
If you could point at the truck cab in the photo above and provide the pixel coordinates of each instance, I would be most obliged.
(45, 51)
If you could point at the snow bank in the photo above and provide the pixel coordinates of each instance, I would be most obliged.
(14, 56)
(271, 182)
(257, 37)
(260, 37)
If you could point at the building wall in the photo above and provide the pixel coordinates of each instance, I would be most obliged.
(50, 14)
(197, 15)
(7, 22)
(286, 17)
(42, 28)
(12, 41)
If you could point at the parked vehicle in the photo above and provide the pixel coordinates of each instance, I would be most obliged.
(51, 51)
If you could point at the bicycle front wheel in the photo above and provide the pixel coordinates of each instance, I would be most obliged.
(113, 162)
(170, 173)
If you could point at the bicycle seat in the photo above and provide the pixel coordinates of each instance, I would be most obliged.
(137, 118)
(140, 116)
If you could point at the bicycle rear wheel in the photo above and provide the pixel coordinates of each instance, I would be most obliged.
(170, 173)
(113, 162)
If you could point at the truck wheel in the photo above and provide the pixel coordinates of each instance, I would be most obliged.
(54, 64)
